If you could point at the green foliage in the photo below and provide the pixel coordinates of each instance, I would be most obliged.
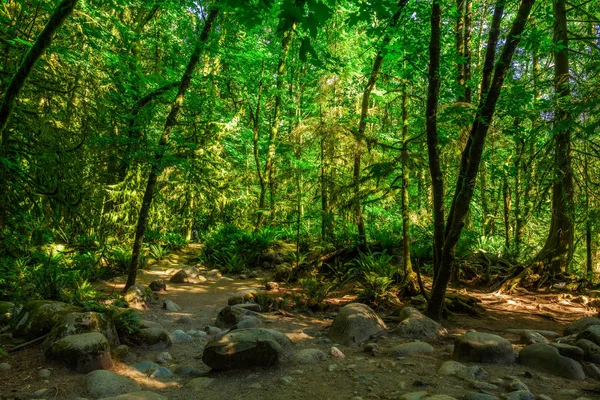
(316, 290)
(126, 322)
(378, 263)
(173, 241)
(119, 259)
(157, 252)
(375, 289)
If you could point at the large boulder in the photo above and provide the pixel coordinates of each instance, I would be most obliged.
(101, 384)
(84, 352)
(580, 325)
(246, 348)
(230, 316)
(153, 338)
(38, 317)
(590, 349)
(158, 285)
(144, 395)
(188, 275)
(355, 324)
(77, 323)
(414, 325)
(591, 333)
(484, 348)
(567, 350)
(547, 358)
(408, 349)
(242, 296)
(139, 297)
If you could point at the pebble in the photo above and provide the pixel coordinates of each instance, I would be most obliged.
(544, 397)
(44, 373)
(164, 357)
(162, 372)
(480, 396)
(180, 336)
(483, 385)
(212, 330)
(5, 366)
(171, 306)
(196, 333)
(336, 353)
(516, 385)
(332, 367)
(146, 366)
(414, 395)
(255, 386)
(520, 395)
(188, 370)
(38, 394)
(287, 380)
(198, 384)
(186, 319)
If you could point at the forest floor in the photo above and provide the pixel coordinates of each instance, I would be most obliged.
(358, 374)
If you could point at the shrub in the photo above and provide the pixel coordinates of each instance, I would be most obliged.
(316, 291)
(157, 252)
(375, 289)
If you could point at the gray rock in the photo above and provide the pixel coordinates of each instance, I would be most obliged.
(590, 350)
(44, 373)
(184, 320)
(580, 325)
(153, 338)
(143, 395)
(230, 316)
(164, 358)
(408, 349)
(179, 336)
(451, 368)
(212, 330)
(41, 393)
(286, 380)
(188, 370)
(567, 350)
(255, 386)
(546, 334)
(520, 395)
(591, 333)
(485, 386)
(484, 348)
(84, 352)
(474, 372)
(170, 306)
(530, 337)
(38, 317)
(146, 367)
(414, 395)
(243, 296)
(354, 324)
(144, 324)
(547, 358)
(102, 383)
(414, 325)
(159, 285)
(77, 323)
(199, 384)
(249, 306)
(5, 366)
(245, 348)
(162, 372)
(516, 384)
(480, 396)
(123, 353)
(248, 322)
(139, 297)
(309, 356)
(7, 310)
(592, 371)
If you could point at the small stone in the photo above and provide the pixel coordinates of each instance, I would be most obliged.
(255, 386)
(186, 319)
(531, 337)
(164, 358)
(286, 380)
(146, 367)
(123, 353)
(407, 349)
(483, 347)
(451, 368)
(158, 285)
(372, 349)
(212, 330)
(483, 385)
(332, 367)
(5, 366)
(188, 370)
(544, 397)
(199, 384)
(520, 395)
(309, 356)
(38, 394)
(102, 383)
(516, 385)
(336, 353)
(414, 395)
(171, 306)
(44, 373)
(592, 371)
(180, 336)
(480, 396)
(162, 372)
(272, 286)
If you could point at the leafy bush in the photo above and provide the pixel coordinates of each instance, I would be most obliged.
(316, 290)
(157, 252)
(174, 241)
(126, 322)
(120, 259)
(377, 263)
(375, 289)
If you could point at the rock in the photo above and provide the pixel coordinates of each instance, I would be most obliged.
(146, 367)
(408, 349)
(580, 325)
(123, 353)
(544, 397)
(44, 373)
(255, 386)
(170, 306)
(247, 348)
(249, 306)
(180, 336)
(159, 285)
(591, 333)
(188, 370)
(309, 356)
(272, 286)
(474, 372)
(452, 368)
(212, 330)
(149, 324)
(199, 384)
(184, 320)
(164, 358)
(530, 337)
(84, 352)
(414, 325)
(248, 322)
(153, 338)
(139, 297)
(336, 353)
(196, 333)
(102, 383)
(354, 324)
(143, 395)
(590, 350)
(230, 316)
(162, 372)
(592, 371)
(188, 275)
(547, 358)
(283, 272)
(546, 334)
(38, 317)
(38, 394)
(520, 395)
(243, 296)
(286, 380)
(86, 322)
(480, 396)
(414, 395)
(567, 350)
(5, 366)
(7, 310)
(517, 384)
(440, 397)
(372, 349)
(483, 385)
(214, 275)
(484, 348)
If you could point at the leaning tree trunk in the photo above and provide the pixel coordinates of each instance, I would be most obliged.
(557, 251)
(471, 159)
(255, 137)
(162, 147)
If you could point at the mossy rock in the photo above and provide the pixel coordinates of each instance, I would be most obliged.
(153, 338)
(84, 353)
(38, 317)
(86, 322)
(140, 297)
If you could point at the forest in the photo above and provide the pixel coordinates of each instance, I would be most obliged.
(430, 166)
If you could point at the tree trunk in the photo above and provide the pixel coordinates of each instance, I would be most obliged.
(467, 51)
(163, 143)
(557, 251)
(405, 179)
(255, 137)
(460, 49)
(472, 158)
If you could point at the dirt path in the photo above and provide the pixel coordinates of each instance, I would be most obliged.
(356, 375)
